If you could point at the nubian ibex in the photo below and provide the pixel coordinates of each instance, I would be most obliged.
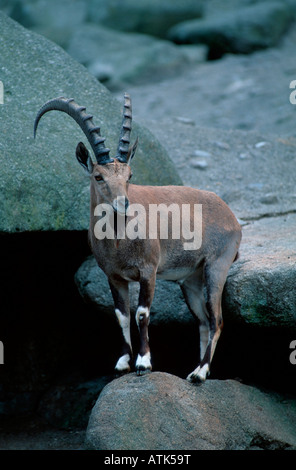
(200, 269)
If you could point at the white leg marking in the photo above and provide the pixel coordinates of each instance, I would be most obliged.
(124, 322)
(123, 363)
(144, 362)
(141, 312)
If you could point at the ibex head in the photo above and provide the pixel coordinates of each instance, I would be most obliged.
(109, 176)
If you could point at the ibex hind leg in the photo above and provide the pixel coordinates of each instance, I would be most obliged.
(214, 278)
(192, 289)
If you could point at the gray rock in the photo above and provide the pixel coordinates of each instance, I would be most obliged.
(55, 20)
(247, 183)
(162, 412)
(42, 186)
(147, 16)
(94, 288)
(59, 18)
(68, 405)
(117, 57)
(243, 92)
(260, 289)
(53, 14)
(242, 30)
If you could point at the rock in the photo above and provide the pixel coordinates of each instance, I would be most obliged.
(237, 92)
(55, 20)
(260, 287)
(149, 17)
(244, 183)
(68, 405)
(41, 13)
(153, 17)
(94, 288)
(42, 186)
(240, 31)
(162, 412)
(200, 164)
(117, 57)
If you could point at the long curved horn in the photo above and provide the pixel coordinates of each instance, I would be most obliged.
(124, 140)
(84, 120)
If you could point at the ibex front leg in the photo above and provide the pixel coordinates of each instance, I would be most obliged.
(143, 363)
(120, 295)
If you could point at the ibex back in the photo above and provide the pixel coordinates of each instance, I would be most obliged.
(201, 271)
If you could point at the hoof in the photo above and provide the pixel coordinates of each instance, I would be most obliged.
(195, 379)
(143, 364)
(199, 375)
(142, 370)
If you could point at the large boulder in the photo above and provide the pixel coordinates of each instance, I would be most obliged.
(241, 30)
(42, 186)
(60, 18)
(244, 92)
(153, 17)
(252, 171)
(259, 290)
(94, 288)
(162, 412)
(260, 287)
(114, 57)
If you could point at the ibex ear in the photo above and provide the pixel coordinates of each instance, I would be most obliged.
(132, 151)
(83, 157)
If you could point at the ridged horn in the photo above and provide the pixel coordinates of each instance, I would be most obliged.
(84, 120)
(126, 127)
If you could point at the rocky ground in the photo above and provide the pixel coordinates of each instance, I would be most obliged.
(210, 115)
(244, 92)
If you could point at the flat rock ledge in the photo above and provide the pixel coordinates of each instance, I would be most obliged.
(259, 290)
(159, 411)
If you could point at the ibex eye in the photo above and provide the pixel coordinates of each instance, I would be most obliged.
(130, 176)
(98, 178)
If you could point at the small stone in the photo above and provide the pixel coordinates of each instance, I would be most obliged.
(201, 153)
(259, 145)
(269, 199)
(185, 120)
(200, 164)
(256, 186)
(222, 145)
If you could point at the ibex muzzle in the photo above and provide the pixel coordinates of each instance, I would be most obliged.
(200, 271)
